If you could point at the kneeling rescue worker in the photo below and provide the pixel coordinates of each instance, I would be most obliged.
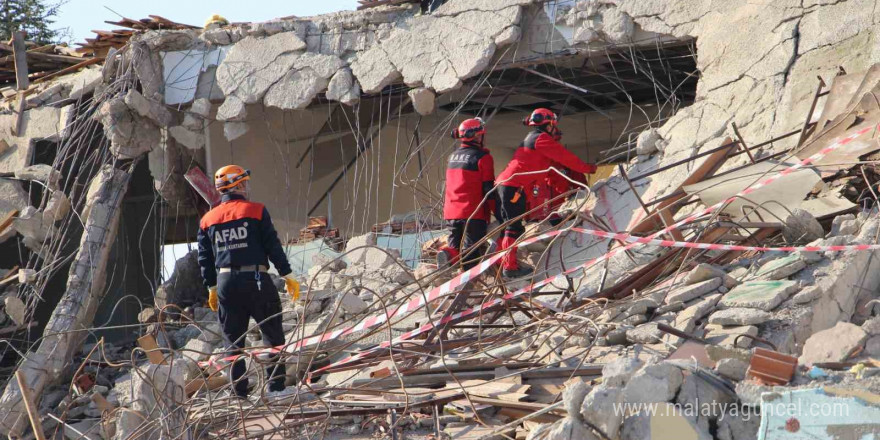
(236, 240)
(529, 167)
(470, 177)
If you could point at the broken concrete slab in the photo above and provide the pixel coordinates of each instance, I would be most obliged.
(693, 291)
(601, 408)
(309, 75)
(201, 107)
(252, 66)
(30, 225)
(157, 389)
(343, 88)
(618, 372)
(732, 368)
(15, 309)
(351, 303)
(763, 295)
(654, 383)
(833, 345)
(41, 173)
(649, 142)
(194, 140)
(423, 100)
(808, 294)
(800, 227)
(130, 134)
(573, 395)
(148, 108)
(725, 336)
(780, 268)
(740, 316)
(706, 271)
(686, 319)
(872, 326)
(845, 224)
(56, 208)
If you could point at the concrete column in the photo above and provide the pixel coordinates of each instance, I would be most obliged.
(76, 310)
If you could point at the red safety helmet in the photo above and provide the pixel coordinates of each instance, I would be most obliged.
(229, 177)
(541, 116)
(469, 130)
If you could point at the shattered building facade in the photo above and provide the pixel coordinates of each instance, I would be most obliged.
(737, 196)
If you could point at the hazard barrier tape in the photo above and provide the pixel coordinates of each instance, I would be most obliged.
(723, 247)
(408, 307)
(458, 281)
(472, 312)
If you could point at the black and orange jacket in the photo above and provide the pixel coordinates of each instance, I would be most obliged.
(238, 233)
(470, 175)
(535, 154)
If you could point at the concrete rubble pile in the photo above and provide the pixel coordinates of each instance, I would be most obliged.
(727, 265)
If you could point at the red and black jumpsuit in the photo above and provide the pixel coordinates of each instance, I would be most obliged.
(528, 168)
(470, 176)
(235, 238)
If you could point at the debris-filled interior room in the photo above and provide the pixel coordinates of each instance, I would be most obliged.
(697, 250)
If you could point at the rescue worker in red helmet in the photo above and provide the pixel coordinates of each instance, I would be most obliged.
(470, 177)
(535, 155)
(236, 240)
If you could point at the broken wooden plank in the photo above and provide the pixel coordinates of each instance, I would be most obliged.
(69, 69)
(7, 220)
(20, 54)
(211, 383)
(151, 348)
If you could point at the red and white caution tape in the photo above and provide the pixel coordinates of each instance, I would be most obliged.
(473, 312)
(722, 247)
(453, 284)
(408, 307)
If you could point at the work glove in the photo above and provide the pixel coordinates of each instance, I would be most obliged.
(213, 301)
(292, 287)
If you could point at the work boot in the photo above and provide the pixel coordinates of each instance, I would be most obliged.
(519, 272)
(446, 257)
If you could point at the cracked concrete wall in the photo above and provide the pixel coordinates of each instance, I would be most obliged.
(758, 66)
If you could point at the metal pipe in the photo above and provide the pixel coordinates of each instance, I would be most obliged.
(742, 142)
(810, 113)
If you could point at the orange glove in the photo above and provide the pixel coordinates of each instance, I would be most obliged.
(292, 287)
(213, 301)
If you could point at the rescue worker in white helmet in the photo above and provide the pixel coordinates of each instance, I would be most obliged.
(236, 241)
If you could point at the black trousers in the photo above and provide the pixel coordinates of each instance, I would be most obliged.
(464, 234)
(241, 298)
(511, 204)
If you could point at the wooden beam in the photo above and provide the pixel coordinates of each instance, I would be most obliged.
(7, 220)
(30, 406)
(151, 348)
(20, 53)
(69, 69)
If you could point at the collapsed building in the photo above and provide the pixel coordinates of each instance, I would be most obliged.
(724, 255)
